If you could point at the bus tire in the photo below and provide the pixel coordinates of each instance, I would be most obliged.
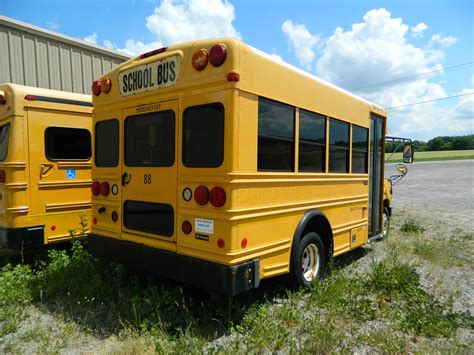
(308, 261)
(385, 222)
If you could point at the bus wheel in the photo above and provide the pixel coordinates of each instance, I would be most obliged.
(386, 222)
(308, 261)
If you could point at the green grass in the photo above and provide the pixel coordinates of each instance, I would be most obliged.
(384, 308)
(433, 156)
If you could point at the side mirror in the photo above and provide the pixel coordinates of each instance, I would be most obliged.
(402, 169)
(408, 153)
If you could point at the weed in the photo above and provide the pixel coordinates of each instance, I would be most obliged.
(411, 225)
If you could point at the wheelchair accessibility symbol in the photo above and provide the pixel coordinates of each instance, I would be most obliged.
(71, 174)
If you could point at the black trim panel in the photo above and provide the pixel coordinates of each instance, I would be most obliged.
(229, 280)
(61, 101)
(19, 239)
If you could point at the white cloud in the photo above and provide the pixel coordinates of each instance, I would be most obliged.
(176, 21)
(417, 31)
(108, 44)
(92, 39)
(301, 41)
(133, 48)
(444, 42)
(53, 25)
(276, 57)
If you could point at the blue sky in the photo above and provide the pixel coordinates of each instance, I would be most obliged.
(355, 44)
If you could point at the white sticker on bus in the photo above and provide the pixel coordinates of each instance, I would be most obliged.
(152, 76)
(204, 226)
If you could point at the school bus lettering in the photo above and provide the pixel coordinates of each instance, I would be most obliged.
(159, 74)
(276, 179)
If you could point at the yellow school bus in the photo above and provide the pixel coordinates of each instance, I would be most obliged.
(45, 165)
(217, 166)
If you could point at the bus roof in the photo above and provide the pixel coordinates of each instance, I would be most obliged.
(22, 90)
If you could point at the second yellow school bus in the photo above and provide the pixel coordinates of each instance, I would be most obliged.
(218, 166)
(45, 165)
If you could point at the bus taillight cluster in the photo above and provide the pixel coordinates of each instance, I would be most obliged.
(102, 85)
(216, 196)
(216, 56)
(100, 188)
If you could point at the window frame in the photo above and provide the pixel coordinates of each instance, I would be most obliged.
(339, 148)
(45, 136)
(125, 143)
(293, 139)
(222, 138)
(118, 143)
(322, 145)
(366, 150)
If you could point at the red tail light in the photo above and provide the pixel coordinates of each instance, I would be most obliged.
(104, 188)
(220, 243)
(201, 195)
(186, 227)
(217, 196)
(114, 216)
(96, 90)
(217, 55)
(95, 188)
(3, 176)
(233, 77)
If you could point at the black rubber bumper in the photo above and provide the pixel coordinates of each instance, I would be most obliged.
(229, 280)
(19, 239)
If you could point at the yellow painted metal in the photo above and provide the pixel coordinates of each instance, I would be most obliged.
(262, 207)
(36, 191)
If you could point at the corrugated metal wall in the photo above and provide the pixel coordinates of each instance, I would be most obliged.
(36, 57)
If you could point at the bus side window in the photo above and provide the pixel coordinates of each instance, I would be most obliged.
(276, 136)
(65, 143)
(4, 130)
(360, 148)
(312, 142)
(338, 146)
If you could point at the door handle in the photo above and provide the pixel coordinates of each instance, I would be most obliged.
(126, 181)
(45, 169)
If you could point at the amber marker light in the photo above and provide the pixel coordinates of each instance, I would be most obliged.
(105, 85)
(200, 59)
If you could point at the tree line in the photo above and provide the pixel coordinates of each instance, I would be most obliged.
(437, 143)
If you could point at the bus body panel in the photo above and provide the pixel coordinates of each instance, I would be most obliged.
(42, 198)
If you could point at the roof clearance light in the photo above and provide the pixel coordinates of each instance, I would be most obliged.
(30, 97)
(200, 59)
(96, 87)
(105, 85)
(154, 52)
(217, 55)
(3, 99)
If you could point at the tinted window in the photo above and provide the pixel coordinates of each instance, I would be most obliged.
(312, 151)
(149, 139)
(107, 143)
(275, 136)
(156, 218)
(338, 146)
(64, 143)
(203, 136)
(4, 130)
(359, 149)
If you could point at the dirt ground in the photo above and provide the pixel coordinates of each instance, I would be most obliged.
(443, 188)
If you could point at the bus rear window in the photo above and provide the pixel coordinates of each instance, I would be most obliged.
(149, 139)
(107, 143)
(203, 136)
(4, 141)
(64, 143)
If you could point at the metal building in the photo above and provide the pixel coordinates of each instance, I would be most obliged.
(33, 56)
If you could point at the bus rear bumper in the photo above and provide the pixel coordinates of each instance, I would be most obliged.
(225, 279)
(18, 239)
